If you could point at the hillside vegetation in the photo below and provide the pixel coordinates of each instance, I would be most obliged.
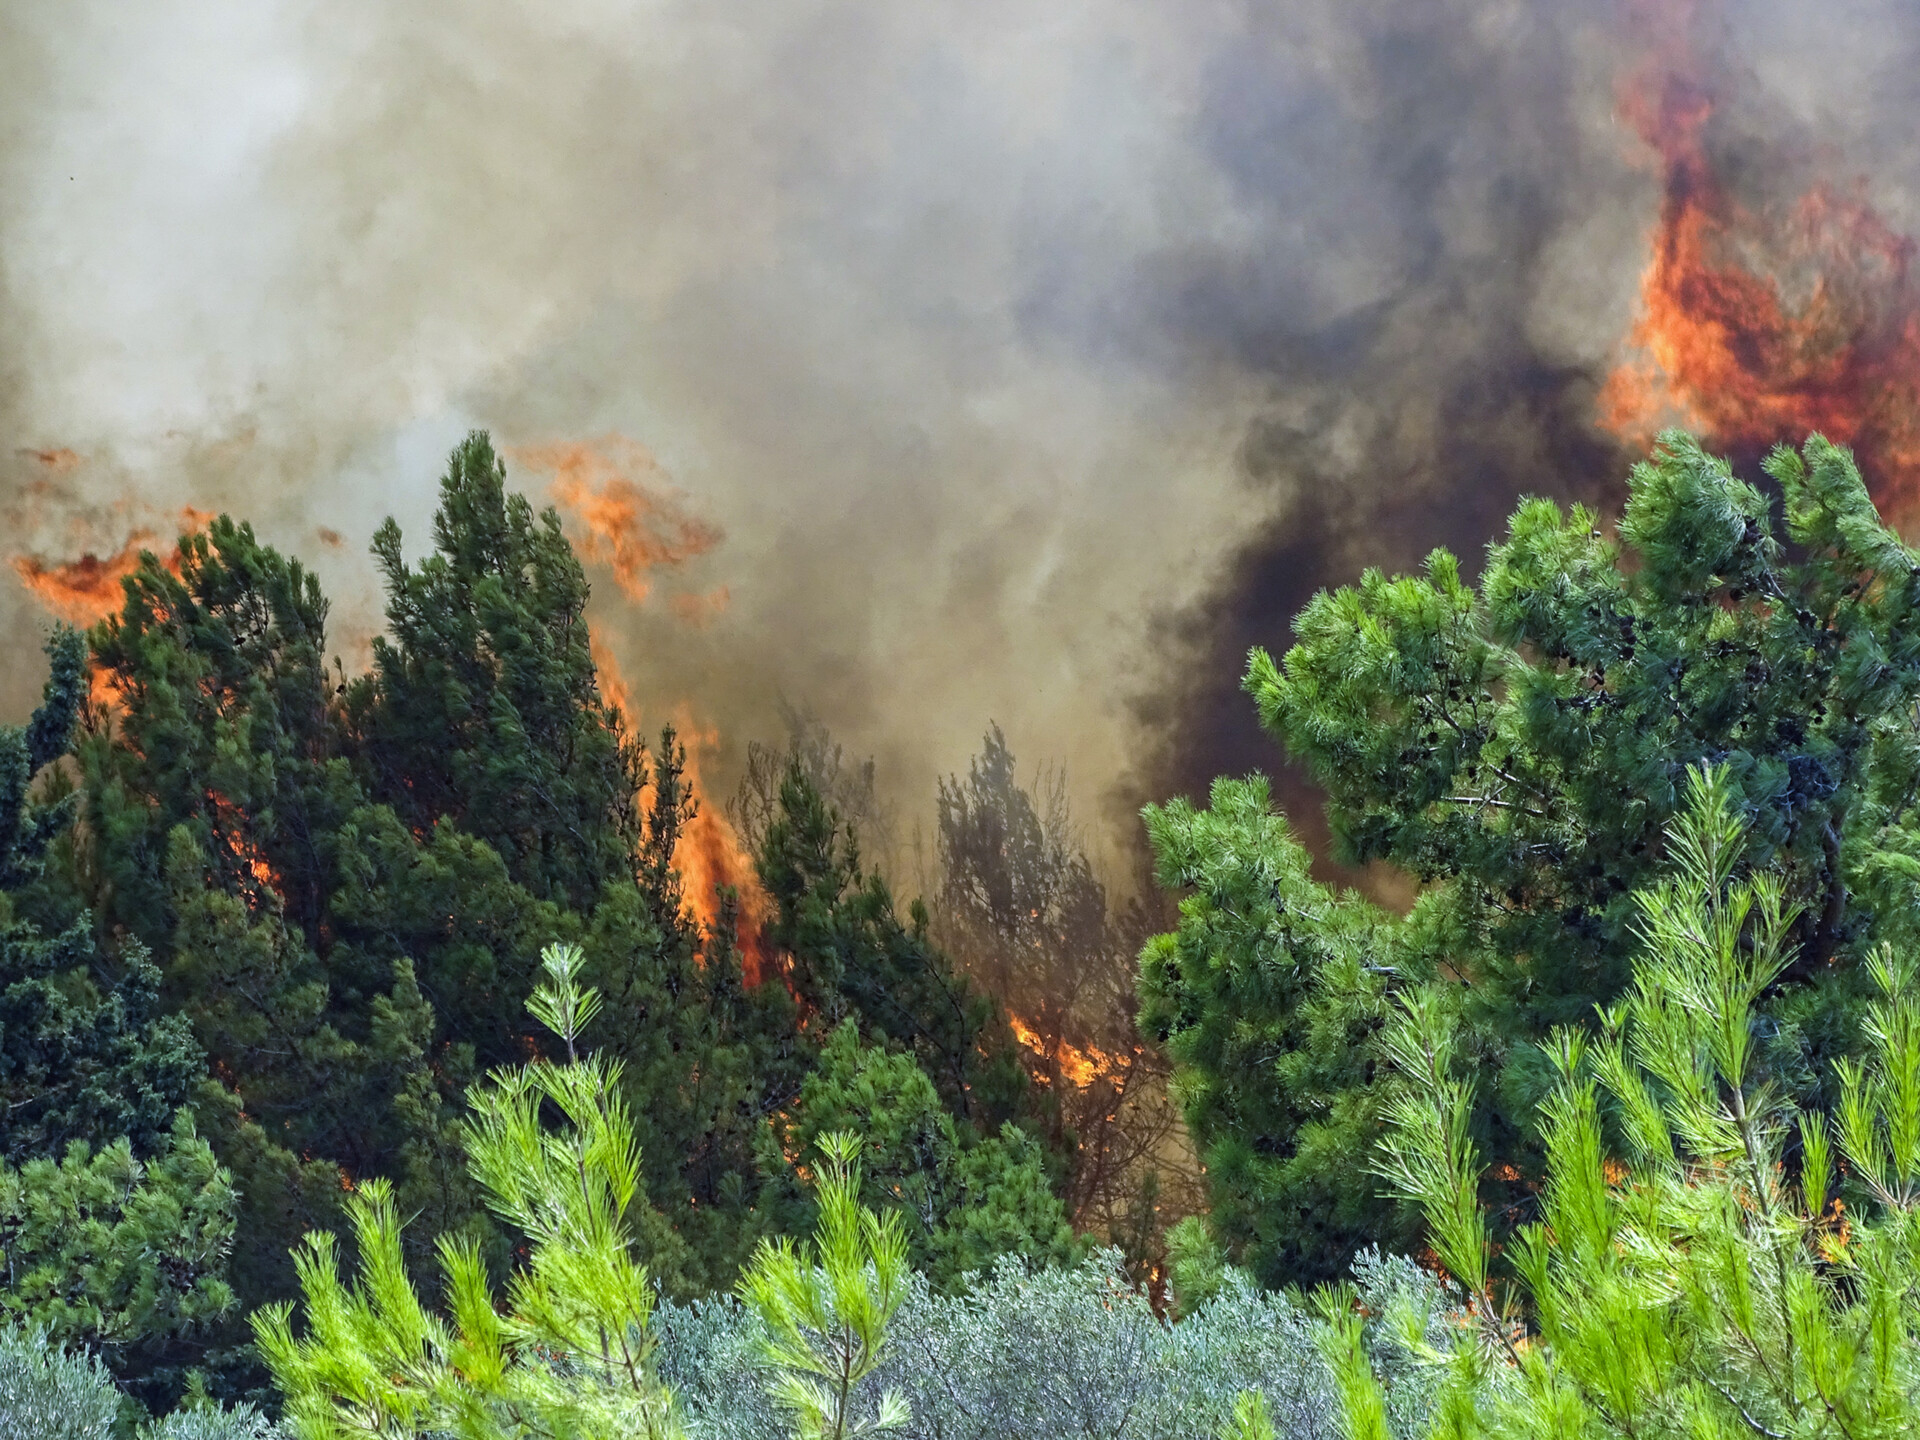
(370, 1071)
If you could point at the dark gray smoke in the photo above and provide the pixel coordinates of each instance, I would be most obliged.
(1035, 359)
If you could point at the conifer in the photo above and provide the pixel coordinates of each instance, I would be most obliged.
(1518, 753)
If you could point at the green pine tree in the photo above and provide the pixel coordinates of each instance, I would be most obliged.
(27, 828)
(1519, 751)
(122, 1256)
(853, 957)
(570, 1353)
(483, 706)
(84, 1052)
(825, 1306)
(346, 975)
(1268, 996)
(1677, 1281)
(964, 1199)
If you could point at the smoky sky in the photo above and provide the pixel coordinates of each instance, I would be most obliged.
(1035, 360)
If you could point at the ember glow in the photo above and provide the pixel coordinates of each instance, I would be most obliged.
(260, 883)
(623, 514)
(1762, 322)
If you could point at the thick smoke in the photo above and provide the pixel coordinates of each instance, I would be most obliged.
(1033, 360)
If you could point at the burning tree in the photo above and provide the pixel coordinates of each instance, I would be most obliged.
(344, 883)
(484, 706)
(1021, 907)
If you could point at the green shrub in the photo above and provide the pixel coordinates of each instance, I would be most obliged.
(49, 1393)
(1029, 1353)
(105, 1250)
(1678, 1281)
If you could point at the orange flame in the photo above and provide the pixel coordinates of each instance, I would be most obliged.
(86, 590)
(631, 527)
(1079, 1067)
(1760, 325)
(613, 685)
(230, 826)
(710, 855)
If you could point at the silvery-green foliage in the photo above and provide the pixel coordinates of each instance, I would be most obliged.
(1244, 1338)
(1401, 1302)
(243, 1422)
(1035, 1354)
(709, 1352)
(1063, 1352)
(47, 1394)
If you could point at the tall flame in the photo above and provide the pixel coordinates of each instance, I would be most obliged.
(626, 516)
(1761, 324)
(709, 855)
(627, 524)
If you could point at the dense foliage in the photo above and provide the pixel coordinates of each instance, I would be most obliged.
(304, 909)
(569, 1354)
(1029, 1353)
(363, 1053)
(1519, 750)
(1677, 1281)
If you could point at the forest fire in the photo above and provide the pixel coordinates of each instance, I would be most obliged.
(86, 590)
(231, 825)
(1760, 323)
(635, 529)
(631, 527)
(710, 855)
(711, 859)
(1077, 1066)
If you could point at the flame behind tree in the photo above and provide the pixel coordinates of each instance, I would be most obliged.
(345, 881)
(717, 880)
(625, 515)
(87, 588)
(1768, 320)
(717, 871)
(1021, 908)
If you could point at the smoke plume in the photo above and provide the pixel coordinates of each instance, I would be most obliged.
(933, 362)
